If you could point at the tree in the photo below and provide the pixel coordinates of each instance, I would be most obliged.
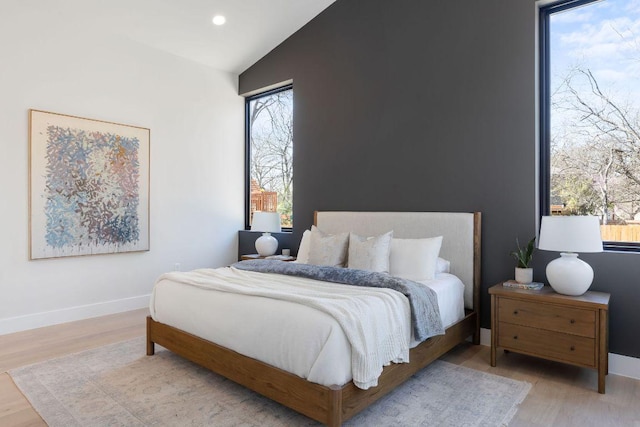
(271, 142)
(599, 143)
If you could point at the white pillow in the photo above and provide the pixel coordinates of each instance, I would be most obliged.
(414, 259)
(303, 249)
(328, 249)
(443, 266)
(370, 253)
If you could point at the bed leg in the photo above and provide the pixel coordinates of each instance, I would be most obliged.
(335, 407)
(151, 347)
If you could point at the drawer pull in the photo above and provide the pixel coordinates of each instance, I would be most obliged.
(515, 337)
(515, 311)
(573, 321)
(573, 348)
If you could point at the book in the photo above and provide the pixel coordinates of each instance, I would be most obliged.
(533, 286)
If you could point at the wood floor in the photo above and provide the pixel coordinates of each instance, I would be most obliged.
(561, 395)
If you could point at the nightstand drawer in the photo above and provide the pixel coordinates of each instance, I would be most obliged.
(547, 316)
(554, 345)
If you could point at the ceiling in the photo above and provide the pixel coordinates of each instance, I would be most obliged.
(184, 27)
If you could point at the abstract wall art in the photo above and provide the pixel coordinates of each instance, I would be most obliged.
(89, 186)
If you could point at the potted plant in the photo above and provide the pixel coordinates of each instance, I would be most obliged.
(524, 274)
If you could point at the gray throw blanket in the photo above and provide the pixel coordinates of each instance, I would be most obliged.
(425, 314)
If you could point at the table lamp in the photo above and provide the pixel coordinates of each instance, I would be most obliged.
(267, 222)
(569, 235)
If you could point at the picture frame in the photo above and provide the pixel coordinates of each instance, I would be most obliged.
(88, 186)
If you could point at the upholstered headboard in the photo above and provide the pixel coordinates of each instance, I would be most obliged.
(460, 231)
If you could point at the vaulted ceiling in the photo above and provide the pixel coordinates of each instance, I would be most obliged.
(185, 28)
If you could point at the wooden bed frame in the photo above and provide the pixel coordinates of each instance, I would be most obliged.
(329, 405)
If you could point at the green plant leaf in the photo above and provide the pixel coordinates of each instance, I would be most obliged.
(524, 255)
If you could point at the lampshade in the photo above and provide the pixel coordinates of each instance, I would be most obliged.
(570, 234)
(569, 275)
(268, 222)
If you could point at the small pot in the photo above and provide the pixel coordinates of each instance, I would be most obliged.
(524, 275)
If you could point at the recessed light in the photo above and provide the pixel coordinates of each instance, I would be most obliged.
(219, 20)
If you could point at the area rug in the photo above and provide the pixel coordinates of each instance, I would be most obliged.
(118, 385)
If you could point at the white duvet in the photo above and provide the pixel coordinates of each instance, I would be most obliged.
(302, 339)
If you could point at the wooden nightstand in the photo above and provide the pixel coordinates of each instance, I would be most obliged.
(557, 327)
(256, 256)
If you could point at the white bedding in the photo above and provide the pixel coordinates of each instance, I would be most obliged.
(268, 329)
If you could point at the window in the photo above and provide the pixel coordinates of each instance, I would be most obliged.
(269, 154)
(590, 115)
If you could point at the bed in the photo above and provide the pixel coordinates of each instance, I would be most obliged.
(320, 399)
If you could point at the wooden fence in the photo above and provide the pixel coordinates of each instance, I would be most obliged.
(621, 233)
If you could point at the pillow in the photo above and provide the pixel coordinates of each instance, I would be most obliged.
(443, 266)
(303, 249)
(370, 253)
(328, 249)
(414, 259)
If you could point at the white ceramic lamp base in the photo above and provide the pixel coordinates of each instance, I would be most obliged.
(569, 275)
(266, 245)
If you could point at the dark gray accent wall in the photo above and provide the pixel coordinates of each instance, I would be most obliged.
(412, 105)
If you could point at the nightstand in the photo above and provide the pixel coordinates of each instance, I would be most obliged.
(552, 326)
(256, 256)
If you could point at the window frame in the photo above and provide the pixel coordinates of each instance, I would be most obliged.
(247, 150)
(544, 182)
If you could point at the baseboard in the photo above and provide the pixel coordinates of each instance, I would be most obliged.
(485, 337)
(618, 364)
(624, 365)
(48, 318)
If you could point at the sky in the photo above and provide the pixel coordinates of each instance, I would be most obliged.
(604, 36)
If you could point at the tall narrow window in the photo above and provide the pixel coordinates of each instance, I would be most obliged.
(269, 118)
(590, 86)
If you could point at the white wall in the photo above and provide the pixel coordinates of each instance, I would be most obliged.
(51, 63)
